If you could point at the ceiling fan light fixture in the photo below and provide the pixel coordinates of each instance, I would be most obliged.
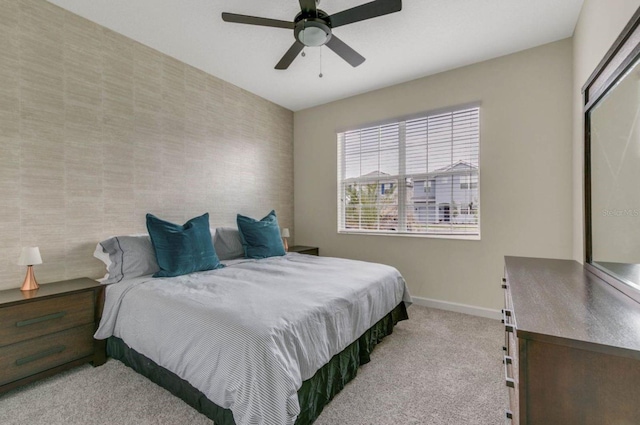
(312, 33)
(313, 36)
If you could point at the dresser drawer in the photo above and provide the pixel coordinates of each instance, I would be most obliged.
(33, 356)
(42, 317)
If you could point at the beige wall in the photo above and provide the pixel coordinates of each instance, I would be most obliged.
(599, 24)
(525, 157)
(96, 130)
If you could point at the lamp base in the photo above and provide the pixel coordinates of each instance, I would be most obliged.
(29, 283)
(286, 245)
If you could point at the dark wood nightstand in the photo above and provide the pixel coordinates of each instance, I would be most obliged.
(48, 330)
(309, 250)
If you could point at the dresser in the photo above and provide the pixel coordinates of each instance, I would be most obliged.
(46, 331)
(572, 346)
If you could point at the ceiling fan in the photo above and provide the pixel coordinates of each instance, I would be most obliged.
(313, 27)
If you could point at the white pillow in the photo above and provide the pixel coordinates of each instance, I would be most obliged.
(104, 257)
(126, 257)
(227, 243)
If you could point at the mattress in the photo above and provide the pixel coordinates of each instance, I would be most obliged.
(249, 334)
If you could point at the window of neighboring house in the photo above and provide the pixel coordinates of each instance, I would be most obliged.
(428, 186)
(468, 182)
(386, 189)
(385, 171)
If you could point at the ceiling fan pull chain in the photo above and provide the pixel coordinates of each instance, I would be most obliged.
(320, 62)
(303, 52)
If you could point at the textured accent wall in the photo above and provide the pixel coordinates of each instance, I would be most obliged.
(96, 130)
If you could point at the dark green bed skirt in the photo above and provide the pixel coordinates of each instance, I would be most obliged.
(314, 394)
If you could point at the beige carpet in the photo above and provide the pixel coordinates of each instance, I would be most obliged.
(437, 368)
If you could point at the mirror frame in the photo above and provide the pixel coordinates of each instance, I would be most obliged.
(623, 54)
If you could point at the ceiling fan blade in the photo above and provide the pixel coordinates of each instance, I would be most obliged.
(365, 11)
(290, 55)
(255, 20)
(308, 5)
(345, 52)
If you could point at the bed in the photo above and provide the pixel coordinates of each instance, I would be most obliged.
(266, 341)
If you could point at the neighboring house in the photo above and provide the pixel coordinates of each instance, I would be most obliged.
(372, 202)
(447, 195)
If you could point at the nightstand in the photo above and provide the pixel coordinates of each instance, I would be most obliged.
(309, 250)
(48, 330)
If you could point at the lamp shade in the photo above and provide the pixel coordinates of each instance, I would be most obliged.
(29, 256)
(285, 233)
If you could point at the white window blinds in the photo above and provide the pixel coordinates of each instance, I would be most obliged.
(419, 176)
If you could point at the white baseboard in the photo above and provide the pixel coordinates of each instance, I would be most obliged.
(458, 308)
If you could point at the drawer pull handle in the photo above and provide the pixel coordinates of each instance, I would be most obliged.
(46, 353)
(511, 383)
(40, 319)
(509, 414)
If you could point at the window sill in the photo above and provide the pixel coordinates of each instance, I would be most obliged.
(414, 235)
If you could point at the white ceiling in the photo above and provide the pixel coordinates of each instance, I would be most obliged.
(426, 37)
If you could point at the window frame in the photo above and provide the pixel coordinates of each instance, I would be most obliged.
(404, 189)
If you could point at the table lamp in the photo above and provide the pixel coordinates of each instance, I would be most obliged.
(285, 235)
(29, 256)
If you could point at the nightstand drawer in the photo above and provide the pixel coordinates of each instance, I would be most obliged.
(39, 354)
(302, 249)
(42, 317)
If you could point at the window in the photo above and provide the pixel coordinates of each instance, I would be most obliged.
(417, 176)
(468, 182)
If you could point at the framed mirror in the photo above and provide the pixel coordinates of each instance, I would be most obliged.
(612, 164)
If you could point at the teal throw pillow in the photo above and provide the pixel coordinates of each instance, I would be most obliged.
(260, 238)
(182, 249)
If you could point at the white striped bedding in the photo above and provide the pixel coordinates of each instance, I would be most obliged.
(248, 335)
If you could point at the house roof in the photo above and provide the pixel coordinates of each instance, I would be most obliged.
(375, 174)
(455, 166)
